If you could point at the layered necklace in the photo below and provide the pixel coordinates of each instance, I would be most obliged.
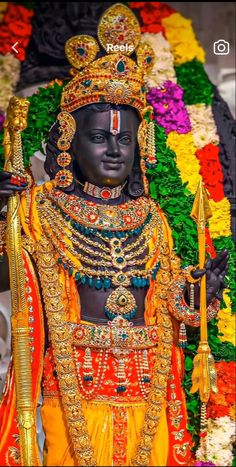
(90, 241)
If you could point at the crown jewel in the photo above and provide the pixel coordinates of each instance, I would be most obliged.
(115, 77)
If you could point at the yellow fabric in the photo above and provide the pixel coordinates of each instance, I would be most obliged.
(99, 417)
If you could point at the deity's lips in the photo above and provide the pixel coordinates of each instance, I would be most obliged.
(113, 164)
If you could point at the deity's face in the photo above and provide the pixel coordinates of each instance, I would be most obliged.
(102, 157)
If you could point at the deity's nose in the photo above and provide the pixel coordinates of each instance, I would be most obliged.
(113, 149)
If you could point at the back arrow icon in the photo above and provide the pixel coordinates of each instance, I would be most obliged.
(13, 47)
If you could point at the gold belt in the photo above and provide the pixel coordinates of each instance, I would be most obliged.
(119, 333)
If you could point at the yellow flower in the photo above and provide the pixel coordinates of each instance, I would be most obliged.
(186, 161)
(219, 223)
(227, 321)
(180, 35)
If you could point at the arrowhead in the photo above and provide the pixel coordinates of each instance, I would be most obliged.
(201, 210)
(13, 47)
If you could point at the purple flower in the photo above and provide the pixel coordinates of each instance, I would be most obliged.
(199, 464)
(169, 108)
(2, 118)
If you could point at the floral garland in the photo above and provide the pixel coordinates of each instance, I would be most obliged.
(169, 108)
(220, 439)
(192, 142)
(9, 76)
(187, 149)
(163, 68)
(15, 27)
(179, 33)
(151, 14)
(203, 125)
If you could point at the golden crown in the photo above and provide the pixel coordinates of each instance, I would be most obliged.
(115, 77)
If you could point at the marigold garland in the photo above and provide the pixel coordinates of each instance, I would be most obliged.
(180, 35)
(188, 165)
(227, 320)
(226, 391)
(219, 223)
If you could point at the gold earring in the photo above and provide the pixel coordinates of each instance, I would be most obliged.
(151, 161)
(143, 148)
(64, 177)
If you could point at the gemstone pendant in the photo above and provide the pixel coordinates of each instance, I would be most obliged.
(121, 302)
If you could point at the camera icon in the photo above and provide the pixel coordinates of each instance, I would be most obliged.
(221, 47)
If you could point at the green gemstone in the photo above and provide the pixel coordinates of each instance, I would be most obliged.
(117, 250)
(120, 260)
(81, 51)
(120, 66)
(87, 82)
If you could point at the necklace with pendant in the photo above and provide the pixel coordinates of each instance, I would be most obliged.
(103, 262)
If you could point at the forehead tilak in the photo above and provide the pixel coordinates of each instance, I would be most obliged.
(115, 121)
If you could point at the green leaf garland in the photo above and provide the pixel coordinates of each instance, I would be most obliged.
(197, 87)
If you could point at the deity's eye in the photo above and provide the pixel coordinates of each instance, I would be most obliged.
(125, 139)
(97, 138)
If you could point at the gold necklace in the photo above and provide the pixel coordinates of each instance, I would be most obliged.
(92, 215)
(58, 228)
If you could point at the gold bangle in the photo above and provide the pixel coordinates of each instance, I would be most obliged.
(189, 277)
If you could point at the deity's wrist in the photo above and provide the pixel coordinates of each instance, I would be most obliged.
(182, 311)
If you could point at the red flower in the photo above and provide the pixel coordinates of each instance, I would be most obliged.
(211, 170)
(15, 27)
(223, 402)
(136, 4)
(19, 28)
(209, 244)
(154, 28)
(152, 14)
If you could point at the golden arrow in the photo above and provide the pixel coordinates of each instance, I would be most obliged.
(204, 374)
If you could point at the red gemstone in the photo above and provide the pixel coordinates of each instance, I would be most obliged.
(105, 194)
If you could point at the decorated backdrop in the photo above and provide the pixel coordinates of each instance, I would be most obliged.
(191, 144)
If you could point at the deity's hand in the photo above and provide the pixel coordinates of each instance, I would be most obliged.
(215, 270)
(10, 183)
